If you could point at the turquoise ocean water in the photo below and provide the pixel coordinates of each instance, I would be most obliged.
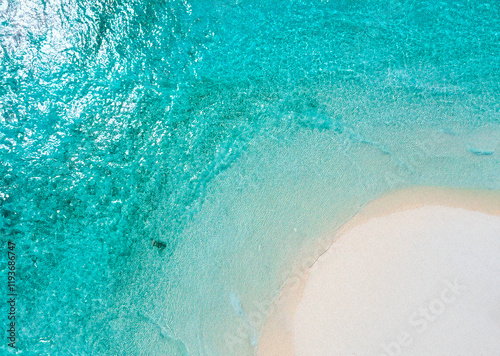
(233, 132)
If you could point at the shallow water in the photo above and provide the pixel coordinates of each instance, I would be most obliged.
(234, 132)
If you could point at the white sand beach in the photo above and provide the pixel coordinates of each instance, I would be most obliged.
(416, 272)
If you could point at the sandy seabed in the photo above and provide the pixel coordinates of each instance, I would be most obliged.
(416, 272)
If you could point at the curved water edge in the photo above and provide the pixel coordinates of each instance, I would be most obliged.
(274, 223)
(421, 248)
(164, 163)
(277, 335)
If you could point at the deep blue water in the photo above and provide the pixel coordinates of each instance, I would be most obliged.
(230, 131)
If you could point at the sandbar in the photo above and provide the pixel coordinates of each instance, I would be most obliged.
(415, 272)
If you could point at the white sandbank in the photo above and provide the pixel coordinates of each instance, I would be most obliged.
(416, 272)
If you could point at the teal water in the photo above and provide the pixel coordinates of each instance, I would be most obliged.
(235, 133)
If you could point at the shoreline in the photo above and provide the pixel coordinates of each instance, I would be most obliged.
(277, 334)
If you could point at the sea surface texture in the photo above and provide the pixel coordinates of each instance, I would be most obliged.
(165, 164)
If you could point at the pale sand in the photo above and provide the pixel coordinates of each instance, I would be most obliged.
(415, 272)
